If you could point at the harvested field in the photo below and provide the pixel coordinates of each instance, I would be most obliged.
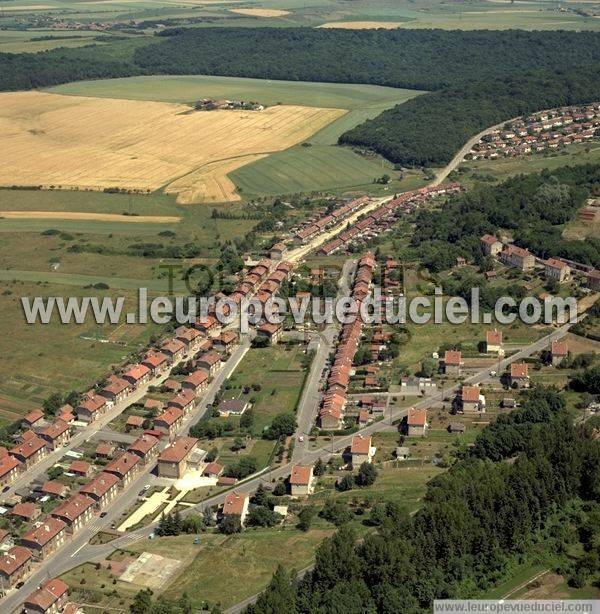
(78, 142)
(98, 217)
(261, 12)
(362, 25)
(211, 183)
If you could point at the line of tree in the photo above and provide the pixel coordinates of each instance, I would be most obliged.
(476, 521)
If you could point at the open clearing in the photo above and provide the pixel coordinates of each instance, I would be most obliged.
(99, 217)
(91, 143)
(261, 12)
(363, 25)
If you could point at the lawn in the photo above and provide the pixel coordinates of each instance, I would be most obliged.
(54, 357)
(250, 558)
(278, 372)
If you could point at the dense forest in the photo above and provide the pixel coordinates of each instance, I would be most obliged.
(476, 521)
(478, 78)
(534, 208)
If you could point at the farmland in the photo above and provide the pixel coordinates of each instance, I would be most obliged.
(90, 143)
(322, 166)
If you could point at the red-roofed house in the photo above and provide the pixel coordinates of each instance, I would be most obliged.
(75, 512)
(45, 539)
(137, 375)
(92, 408)
(557, 270)
(26, 511)
(157, 362)
(190, 337)
(116, 390)
(172, 463)
(15, 565)
(493, 341)
(169, 421)
(471, 400)
(104, 449)
(559, 350)
(212, 470)
(452, 362)
(124, 468)
(361, 450)
(146, 447)
(226, 341)
(33, 418)
(519, 375)
(174, 349)
(49, 598)
(184, 400)
(102, 489)
(196, 381)
(271, 331)
(30, 451)
(9, 469)
(236, 504)
(210, 362)
(491, 245)
(81, 468)
(54, 488)
(56, 434)
(301, 480)
(517, 257)
(593, 280)
(416, 422)
(133, 422)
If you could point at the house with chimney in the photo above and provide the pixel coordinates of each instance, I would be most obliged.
(416, 422)
(15, 565)
(236, 504)
(116, 390)
(157, 362)
(361, 450)
(209, 362)
(196, 382)
(31, 451)
(493, 342)
(146, 447)
(174, 349)
(42, 541)
(301, 480)
(190, 337)
(452, 362)
(185, 400)
(102, 489)
(169, 421)
(124, 467)
(75, 512)
(137, 375)
(91, 408)
(50, 598)
(519, 375)
(173, 461)
(10, 468)
(517, 257)
(491, 245)
(33, 418)
(56, 434)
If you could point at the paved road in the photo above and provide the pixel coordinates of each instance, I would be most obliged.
(311, 396)
(77, 551)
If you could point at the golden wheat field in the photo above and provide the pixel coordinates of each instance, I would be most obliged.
(258, 12)
(95, 143)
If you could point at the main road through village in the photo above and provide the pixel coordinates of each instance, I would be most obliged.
(78, 550)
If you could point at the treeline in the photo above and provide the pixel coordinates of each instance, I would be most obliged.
(533, 207)
(475, 520)
(416, 59)
(430, 129)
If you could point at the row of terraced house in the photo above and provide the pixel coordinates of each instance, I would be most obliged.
(384, 217)
(548, 130)
(333, 403)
